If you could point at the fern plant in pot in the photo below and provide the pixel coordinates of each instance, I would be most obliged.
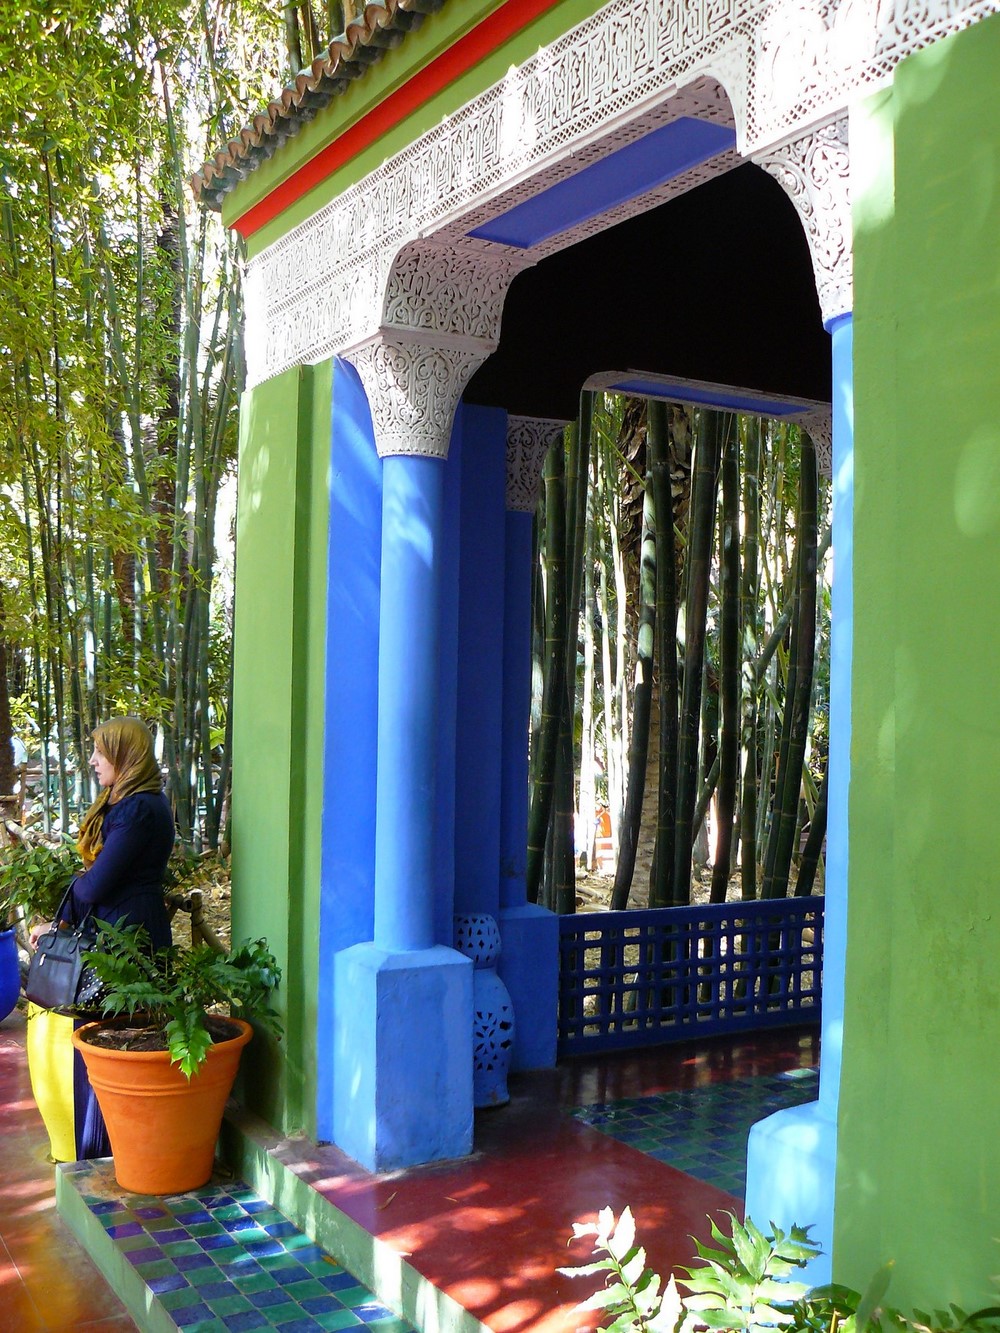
(162, 1058)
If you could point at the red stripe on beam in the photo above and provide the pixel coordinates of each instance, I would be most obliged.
(462, 56)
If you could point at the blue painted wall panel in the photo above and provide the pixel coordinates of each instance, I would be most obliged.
(348, 851)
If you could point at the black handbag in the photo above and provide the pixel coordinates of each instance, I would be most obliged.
(58, 978)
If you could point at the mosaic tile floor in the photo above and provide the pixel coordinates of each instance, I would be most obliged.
(222, 1258)
(702, 1131)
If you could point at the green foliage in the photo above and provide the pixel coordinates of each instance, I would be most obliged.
(745, 1281)
(745, 1284)
(631, 1297)
(174, 988)
(34, 878)
(120, 328)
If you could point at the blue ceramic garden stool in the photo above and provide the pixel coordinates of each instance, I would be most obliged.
(477, 935)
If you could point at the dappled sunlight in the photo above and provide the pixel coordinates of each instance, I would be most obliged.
(977, 482)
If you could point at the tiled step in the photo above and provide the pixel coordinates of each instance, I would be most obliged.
(219, 1258)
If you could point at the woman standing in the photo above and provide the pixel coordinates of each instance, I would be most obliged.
(125, 840)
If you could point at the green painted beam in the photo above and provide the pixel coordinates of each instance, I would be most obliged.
(437, 33)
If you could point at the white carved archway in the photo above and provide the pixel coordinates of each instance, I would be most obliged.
(420, 298)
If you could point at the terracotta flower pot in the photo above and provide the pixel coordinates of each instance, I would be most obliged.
(162, 1128)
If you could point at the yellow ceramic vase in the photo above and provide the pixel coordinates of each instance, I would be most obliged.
(50, 1066)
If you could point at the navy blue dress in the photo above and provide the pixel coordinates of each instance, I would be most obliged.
(123, 886)
(125, 883)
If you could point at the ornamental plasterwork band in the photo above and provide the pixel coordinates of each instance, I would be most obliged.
(528, 441)
(788, 67)
(413, 388)
(814, 171)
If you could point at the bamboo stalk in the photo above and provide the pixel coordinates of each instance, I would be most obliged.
(642, 695)
(729, 662)
(698, 571)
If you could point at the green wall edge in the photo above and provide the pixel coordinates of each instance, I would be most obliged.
(918, 1175)
(279, 707)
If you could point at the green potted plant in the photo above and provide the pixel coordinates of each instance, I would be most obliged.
(163, 1058)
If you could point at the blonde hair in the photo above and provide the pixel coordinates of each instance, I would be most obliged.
(127, 744)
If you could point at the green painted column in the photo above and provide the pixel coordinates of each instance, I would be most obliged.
(918, 1170)
(278, 713)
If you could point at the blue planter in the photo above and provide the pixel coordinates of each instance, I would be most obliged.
(10, 980)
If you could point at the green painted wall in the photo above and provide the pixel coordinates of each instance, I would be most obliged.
(918, 1175)
(438, 32)
(278, 716)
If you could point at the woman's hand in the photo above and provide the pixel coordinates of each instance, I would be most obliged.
(38, 931)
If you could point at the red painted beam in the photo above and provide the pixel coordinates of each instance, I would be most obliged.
(487, 37)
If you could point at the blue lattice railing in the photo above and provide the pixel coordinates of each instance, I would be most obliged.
(644, 977)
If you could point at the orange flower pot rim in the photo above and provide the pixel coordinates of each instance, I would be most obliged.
(153, 1057)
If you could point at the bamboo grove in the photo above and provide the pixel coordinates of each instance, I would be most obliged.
(121, 327)
(680, 667)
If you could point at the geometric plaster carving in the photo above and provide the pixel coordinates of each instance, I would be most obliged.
(528, 441)
(819, 426)
(814, 171)
(440, 321)
(413, 388)
(781, 72)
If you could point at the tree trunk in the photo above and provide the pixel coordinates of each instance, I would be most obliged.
(698, 572)
(814, 843)
(798, 695)
(662, 883)
(554, 687)
(641, 696)
(729, 663)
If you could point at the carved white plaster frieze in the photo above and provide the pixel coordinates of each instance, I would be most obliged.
(528, 441)
(787, 67)
(450, 288)
(814, 172)
(413, 388)
(819, 424)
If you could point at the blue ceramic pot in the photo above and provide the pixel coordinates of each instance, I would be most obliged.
(10, 980)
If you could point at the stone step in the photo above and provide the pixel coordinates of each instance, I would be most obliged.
(220, 1258)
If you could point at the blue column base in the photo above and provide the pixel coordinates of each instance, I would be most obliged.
(402, 1056)
(529, 968)
(791, 1157)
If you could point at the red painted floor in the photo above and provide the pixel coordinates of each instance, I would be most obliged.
(47, 1281)
(490, 1230)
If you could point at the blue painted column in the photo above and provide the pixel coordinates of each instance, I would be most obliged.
(791, 1156)
(403, 1085)
(529, 963)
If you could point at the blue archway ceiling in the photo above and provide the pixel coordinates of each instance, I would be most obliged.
(715, 285)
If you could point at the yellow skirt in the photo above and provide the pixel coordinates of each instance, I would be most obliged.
(50, 1067)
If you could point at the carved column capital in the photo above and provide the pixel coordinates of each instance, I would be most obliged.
(820, 428)
(814, 171)
(528, 441)
(413, 386)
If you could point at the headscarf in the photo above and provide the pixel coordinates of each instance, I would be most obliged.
(127, 744)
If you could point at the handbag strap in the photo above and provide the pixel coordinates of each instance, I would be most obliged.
(65, 899)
